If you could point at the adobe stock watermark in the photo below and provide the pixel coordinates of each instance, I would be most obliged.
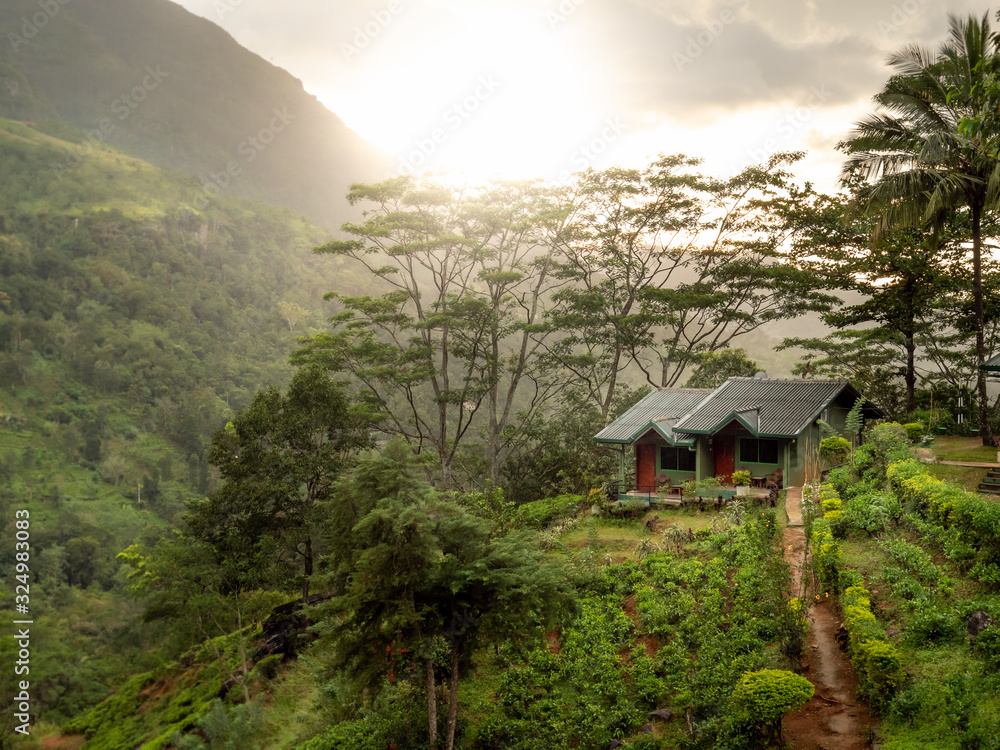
(586, 154)
(561, 13)
(454, 118)
(698, 43)
(366, 32)
(224, 7)
(33, 26)
(122, 108)
(900, 15)
(787, 125)
(250, 148)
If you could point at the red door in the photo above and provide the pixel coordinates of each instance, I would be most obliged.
(725, 457)
(645, 467)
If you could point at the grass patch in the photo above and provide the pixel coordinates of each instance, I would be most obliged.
(953, 448)
(291, 715)
(616, 539)
(966, 477)
(862, 555)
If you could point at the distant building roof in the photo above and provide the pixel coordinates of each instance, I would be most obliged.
(766, 407)
(991, 365)
(658, 411)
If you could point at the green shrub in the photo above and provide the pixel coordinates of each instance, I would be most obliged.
(826, 554)
(913, 559)
(872, 512)
(932, 626)
(974, 520)
(849, 578)
(884, 445)
(914, 431)
(831, 503)
(837, 527)
(834, 450)
(877, 663)
(906, 705)
(542, 513)
(763, 696)
(398, 716)
(880, 671)
(988, 647)
(741, 477)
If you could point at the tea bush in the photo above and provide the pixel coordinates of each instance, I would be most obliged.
(914, 431)
(826, 554)
(763, 696)
(872, 512)
(915, 560)
(877, 663)
(884, 445)
(931, 626)
(976, 519)
(988, 647)
(541, 513)
(834, 450)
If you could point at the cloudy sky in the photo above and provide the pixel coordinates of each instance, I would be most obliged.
(543, 88)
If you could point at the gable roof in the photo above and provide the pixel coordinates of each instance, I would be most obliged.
(659, 411)
(766, 407)
(991, 365)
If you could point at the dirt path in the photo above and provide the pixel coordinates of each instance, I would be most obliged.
(795, 538)
(834, 719)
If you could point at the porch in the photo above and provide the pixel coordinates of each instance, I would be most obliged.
(653, 495)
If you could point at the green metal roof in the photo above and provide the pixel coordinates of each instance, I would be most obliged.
(766, 407)
(658, 411)
(991, 365)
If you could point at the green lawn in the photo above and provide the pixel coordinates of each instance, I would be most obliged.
(967, 477)
(622, 539)
(952, 448)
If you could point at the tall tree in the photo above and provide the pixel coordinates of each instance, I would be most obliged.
(714, 368)
(452, 345)
(667, 264)
(418, 572)
(902, 276)
(934, 149)
(279, 458)
(870, 358)
(949, 339)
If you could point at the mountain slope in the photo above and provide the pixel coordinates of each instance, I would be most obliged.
(152, 79)
(132, 325)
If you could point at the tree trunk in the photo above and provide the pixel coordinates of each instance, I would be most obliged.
(977, 291)
(308, 557)
(456, 650)
(432, 714)
(911, 374)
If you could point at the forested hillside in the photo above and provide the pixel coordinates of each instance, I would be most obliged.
(149, 78)
(131, 327)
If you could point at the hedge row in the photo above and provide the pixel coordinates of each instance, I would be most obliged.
(877, 663)
(826, 551)
(975, 519)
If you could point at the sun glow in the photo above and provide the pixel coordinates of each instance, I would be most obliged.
(488, 87)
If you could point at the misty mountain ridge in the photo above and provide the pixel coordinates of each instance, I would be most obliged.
(157, 82)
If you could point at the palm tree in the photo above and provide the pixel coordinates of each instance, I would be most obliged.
(933, 148)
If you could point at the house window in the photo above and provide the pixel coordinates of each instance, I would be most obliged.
(758, 451)
(676, 459)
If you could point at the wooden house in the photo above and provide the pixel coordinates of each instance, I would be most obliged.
(767, 426)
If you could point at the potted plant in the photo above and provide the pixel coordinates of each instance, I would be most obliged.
(741, 479)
